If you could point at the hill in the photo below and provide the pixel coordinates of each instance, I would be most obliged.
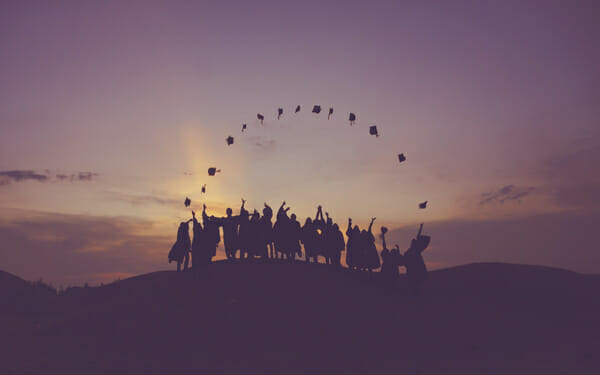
(304, 318)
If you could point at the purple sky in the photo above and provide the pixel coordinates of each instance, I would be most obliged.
(494, 103)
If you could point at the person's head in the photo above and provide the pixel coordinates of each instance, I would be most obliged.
(356, 229)
(255, 215)
(229, 212)
(267, 212)
(308, 221)
(336, 227)
(293, 217)
(184, 224)
(363, 231)
(329, 221)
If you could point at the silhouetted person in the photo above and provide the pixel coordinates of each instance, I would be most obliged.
(211, 233)
(335, 243)
(294, 238)
(266, 230)
(352, 245)
(391, 261)
(199, 253)
(279, 231)
(245, 233)
(319, 241)
(371, 256)
(180, 251)
(416, 271)
(230, 226)
(257, 246)
(307, 236)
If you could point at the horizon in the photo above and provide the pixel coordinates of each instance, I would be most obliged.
(111, 114)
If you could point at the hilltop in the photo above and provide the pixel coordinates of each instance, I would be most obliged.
(487, 318)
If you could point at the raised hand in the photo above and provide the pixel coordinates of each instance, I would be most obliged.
(373, 219)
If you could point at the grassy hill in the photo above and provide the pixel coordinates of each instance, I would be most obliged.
(487, 318)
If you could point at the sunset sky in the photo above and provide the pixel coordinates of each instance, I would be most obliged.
(112, 111)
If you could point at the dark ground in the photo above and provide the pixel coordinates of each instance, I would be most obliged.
(304, 318)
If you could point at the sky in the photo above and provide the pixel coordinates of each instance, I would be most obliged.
(111, 113)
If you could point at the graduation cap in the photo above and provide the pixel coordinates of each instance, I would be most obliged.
(401, 157)
(212, 171)
(279, 113)
(423, 205)
(187, 202)
(204, 188)
(352, 118)
(244, 126)
(229, 141)
(373, 130)
(316, 109)
(297, 109)
(260, 117)
(330, 113)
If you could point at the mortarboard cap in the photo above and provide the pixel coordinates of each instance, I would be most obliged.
(212, 171)
(187, 202)
(243, 127)
(204, 188)
(229, 141)
(401, 157)
(352, 118)
(423, 205)
(316, 109)
(279, 113)
(260, 117)
(330, 113)
(373, 130)
(297, 109)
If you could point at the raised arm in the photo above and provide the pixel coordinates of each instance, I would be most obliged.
(349, 230)
(204, 215)
(420, 229)
(371, 225)
(319, 215)
(281, 210)
(383, 240)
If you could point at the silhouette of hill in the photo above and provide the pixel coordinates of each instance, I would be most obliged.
(487, 318)
(18, 295)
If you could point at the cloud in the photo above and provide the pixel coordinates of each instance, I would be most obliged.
(266, 145)
(505, 194)
(137, 200)
(73, 249)
(7, 177)
(80, 176)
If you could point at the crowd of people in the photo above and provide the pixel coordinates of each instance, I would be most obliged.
(252, 236)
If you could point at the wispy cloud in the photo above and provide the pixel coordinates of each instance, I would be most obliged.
(8, 177)
(505, 194)
(143, 199)
(80, 176)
